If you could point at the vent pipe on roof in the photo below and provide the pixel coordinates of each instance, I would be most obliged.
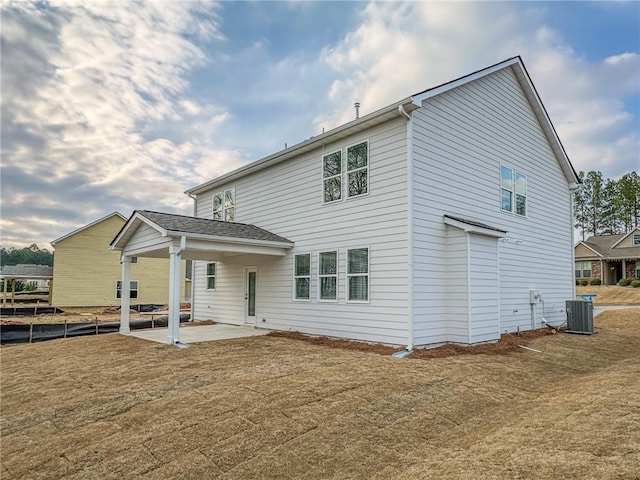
(357, 105)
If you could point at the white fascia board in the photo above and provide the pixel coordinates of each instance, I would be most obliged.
(78, 230)
(587, 246)
(238, 240)
(124, 232)
(474, 228)
(314, 142)
(635, 230)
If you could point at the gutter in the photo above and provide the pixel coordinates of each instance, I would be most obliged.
(409, 347)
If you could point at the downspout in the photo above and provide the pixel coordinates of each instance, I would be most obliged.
(572, 189)
(409, 348)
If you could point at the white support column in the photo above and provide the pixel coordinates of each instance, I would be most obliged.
(175, 256)
(124, 294)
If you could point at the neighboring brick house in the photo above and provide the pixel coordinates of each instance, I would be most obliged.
(609, 257)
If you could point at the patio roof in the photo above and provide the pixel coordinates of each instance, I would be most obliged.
(26, 272)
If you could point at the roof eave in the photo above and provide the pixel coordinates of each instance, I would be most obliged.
(222, 239)
(366, 121)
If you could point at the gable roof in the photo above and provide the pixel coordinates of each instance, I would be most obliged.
(78, 230)
(605, 246)
(407, 105)
(625, 236)
(26, 271)
(170, 225)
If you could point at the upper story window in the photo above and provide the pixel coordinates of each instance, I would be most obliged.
(513, 191)
(328, 276)
(302, 276)
(211, 276)
(224, 205)
(636, 238)
(357, 169)
(332, 176)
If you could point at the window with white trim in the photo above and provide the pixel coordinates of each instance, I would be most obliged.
(302, 277)
(332, 176)
(513, 191)
(358, 275)
(358, 169)
(328, 276)
(133, 289)
(224, 205)
(636, 239)
(211, 276)
(583, 269)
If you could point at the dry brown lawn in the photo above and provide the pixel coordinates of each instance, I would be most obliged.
(612, 294)
(275, 408)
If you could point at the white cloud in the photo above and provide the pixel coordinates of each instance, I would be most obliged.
(400, 49)
(88, 89)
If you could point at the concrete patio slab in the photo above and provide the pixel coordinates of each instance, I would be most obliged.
(201, 333)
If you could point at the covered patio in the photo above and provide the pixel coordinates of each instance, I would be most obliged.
(177, 238)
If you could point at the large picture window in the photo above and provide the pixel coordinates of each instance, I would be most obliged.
(358, 169)
(211, 276)
(224, 205)
(328, 276)
(513, 191)
(583, 269)
(133, 289)
(332, 177)
(302, 276)
(358, 275)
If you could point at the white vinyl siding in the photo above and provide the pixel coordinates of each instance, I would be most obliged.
(302, 277)
(283, 199)
(211, 276)
(328, 276)
(460, 141)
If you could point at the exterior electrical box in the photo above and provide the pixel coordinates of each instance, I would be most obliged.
(579, 317)
(534, 296)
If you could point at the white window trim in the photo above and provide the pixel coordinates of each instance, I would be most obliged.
(295, 299)
(207, 276)
(137, 289)
(633, 239)
(340, 175)
(346, 171)
(514, 201)
(336, 275)
(222, 207)
(581, 264)
(347, 274)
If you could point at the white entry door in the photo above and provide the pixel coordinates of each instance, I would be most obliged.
(250, 283)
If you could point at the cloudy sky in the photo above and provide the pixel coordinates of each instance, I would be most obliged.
(115, 106)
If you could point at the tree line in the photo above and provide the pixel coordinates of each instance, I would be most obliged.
(28, 255)
(607, 206)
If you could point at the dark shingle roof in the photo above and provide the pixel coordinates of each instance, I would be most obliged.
(204, 226)
(603, 243)
(26, 271)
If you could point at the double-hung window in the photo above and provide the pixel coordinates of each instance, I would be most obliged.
(133, 289)
(357, 169)
(224, 205)
(302, 277)
(513, 191)
(332, 176)
(211, 276)
(358, 275)
(583, 269)
(636, 239)
(328, 276)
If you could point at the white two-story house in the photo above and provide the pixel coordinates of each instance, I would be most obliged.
(444, 217)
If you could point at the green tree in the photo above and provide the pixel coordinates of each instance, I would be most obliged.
(580, 211)
(27, 255)
(610, 222)
(628, 200)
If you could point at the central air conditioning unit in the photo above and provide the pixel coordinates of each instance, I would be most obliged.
(579, 317)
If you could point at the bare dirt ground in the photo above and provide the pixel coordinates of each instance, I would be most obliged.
(275, 408)
(612, 294)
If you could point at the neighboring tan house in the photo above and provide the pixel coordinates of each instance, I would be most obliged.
(444, 217)
(87, 273)
(609, 257)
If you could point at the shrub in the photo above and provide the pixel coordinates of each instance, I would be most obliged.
(19, 285)
(624, 282)
(578, 282)
(635, 283)
(31, 287)
(595, 281)
(584, 283)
